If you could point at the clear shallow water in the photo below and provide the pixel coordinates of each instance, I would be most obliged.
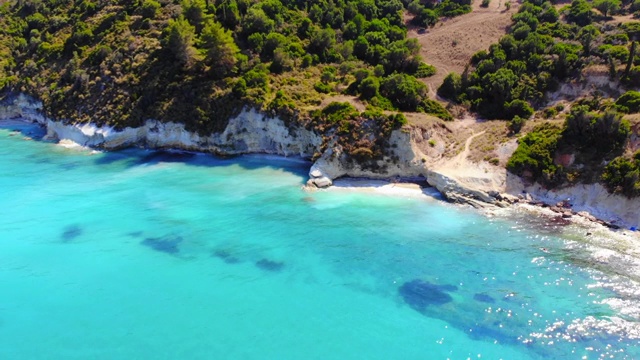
(141, 254)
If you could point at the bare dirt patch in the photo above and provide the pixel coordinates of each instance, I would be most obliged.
(450, 44)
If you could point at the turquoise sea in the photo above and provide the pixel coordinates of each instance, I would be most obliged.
(160, 255)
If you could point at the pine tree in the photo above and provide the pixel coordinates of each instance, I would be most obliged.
(219, 48)
(179, 38)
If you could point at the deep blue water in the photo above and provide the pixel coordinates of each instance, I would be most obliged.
(160, 255)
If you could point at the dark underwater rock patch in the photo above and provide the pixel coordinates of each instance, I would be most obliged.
(421, 294)
(225, 256)
(71, 232)
(269, 265)
(484, 298)
(166, 244)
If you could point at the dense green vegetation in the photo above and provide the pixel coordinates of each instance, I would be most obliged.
(622, 175)
(593, 132)
(200, 62)
(534, 156)
(427, 13)
(543, 48)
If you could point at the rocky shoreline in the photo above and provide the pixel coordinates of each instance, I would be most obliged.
(458, 180)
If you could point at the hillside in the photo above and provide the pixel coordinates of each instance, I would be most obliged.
(450, 44)
(577, 64)
(559, 77)
(201, 62)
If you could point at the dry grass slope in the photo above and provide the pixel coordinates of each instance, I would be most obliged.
(450, 44)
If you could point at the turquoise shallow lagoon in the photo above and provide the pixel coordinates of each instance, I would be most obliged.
(157, 255)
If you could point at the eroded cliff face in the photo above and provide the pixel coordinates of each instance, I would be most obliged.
(404, 159)
(254, 132)
(249, 132)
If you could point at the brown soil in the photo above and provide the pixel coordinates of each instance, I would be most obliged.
(450, 44)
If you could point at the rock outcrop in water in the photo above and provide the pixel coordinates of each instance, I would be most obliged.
(166, 244)
(71, 232)
(419, 294)
(255, 132)
(269, 265)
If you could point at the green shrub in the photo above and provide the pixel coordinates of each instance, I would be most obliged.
(307, 61)
(369, 87)
(378, 70)
(149, 9)
(99, 54)
(451, 87)
(633, 79)
(580, 12)
(622, 175)
(479, 56)
(256, 78)
(322, 87)
(618, 52)
(607, 7)
(240, 88)
(603, 132)
(404, 91)
(36, 21)
(519, 108)
(451, 8)
(516, 124)
(337, 111)
(629, 102)
(535, 154)
(617, 39)
(81, 36)
(550, 113)
(434, 108)
(282, 105)
(425, 70)
(485, 3)
(382, 103)
(398, 120)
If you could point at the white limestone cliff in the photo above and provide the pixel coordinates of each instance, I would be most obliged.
(249, 132)
(404, 160)
(253, 132)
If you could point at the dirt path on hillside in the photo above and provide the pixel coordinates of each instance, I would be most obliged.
(450, 44)
(470, 174)
(461, 160)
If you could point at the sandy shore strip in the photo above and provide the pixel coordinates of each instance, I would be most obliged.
(401, 188)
